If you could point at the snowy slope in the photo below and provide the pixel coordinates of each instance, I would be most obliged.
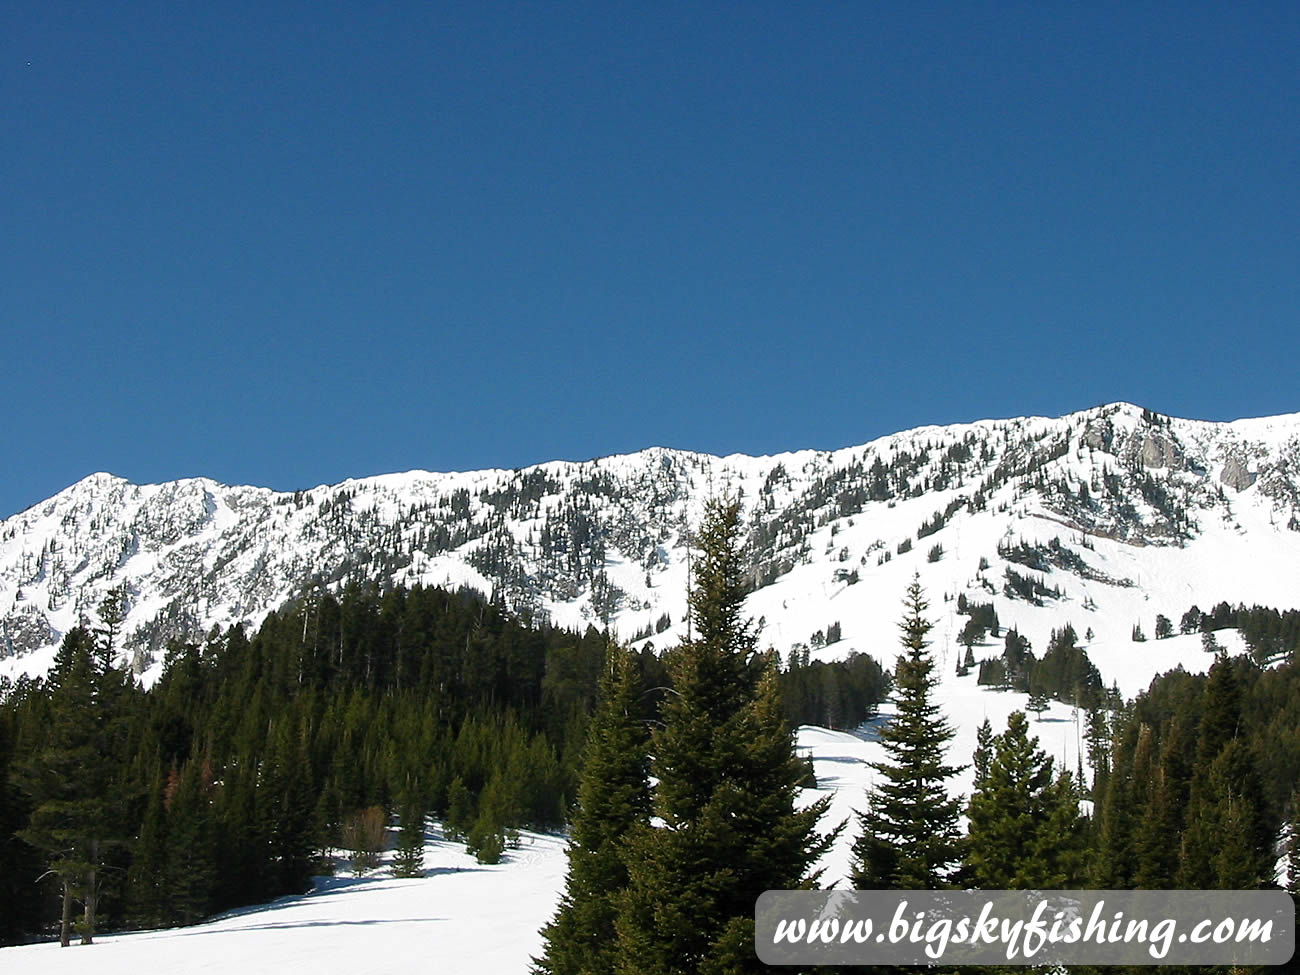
(462, 917)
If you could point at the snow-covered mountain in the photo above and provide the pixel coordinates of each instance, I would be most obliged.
(1103, 518)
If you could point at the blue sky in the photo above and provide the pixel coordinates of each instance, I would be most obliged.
(286, 243)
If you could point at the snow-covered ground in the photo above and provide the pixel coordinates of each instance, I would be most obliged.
(460, 917)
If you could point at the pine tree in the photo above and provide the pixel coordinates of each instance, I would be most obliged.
(74, 819)
(1156, 856)
(983, 752)
(460, 810)
(727, 777)
(909, 837)
(1293, 853)
(147, 881)
(191, 857)
(1229, 838)
(1025, 828)
(408, 858)
(19, 862)
(613, 799)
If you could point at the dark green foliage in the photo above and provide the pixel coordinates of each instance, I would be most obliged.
(1192, 790)
(930, 526)
(1293, 847)
(460, 810)
(20, 864)
(230, 781)
(727, 778)
(613, 800)
(908, 835)
(72, 777)
(1025, 828)
(486, 836)
(1027, 587)
(833, 694)
(1155, 855)
(1012, 669)
(190, 855)
(1043, 557)
(1065, 673)
(983, 755)
(1230, 832)
(1037, 703)
(983, 618)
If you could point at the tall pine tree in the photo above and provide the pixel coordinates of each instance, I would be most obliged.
(1025, 827)
(1229, 838)
(909, 837)
(75, 817)
(728, 775)
(613, 799)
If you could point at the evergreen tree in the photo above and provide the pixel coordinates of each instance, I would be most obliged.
(1097, 736)
(909, 837)
(19, 862)
(408, 858)
(1038, 704)
(1121, 809)
(983, 752)
(1025, 828)
(727, 776)
(1156, 856)
(613, 799)
(487, 837)
(1229, 838)
(191, 857)
(74, 819)
(147, 898)
(460, 810)
(1293, 852)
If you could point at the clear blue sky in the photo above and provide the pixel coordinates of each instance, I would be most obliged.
(289, 243)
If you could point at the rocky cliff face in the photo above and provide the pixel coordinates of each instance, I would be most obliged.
(1145, 513)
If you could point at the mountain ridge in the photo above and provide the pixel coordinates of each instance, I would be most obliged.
(604, 541)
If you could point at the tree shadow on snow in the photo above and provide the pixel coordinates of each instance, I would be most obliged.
(315, 923)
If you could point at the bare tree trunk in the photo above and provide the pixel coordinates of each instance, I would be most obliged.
(92, 897)
(65, 928)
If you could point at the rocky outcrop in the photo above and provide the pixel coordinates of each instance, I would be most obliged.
(1159, 451)
(23, 630)
(1236, 474)
(1098, 434)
